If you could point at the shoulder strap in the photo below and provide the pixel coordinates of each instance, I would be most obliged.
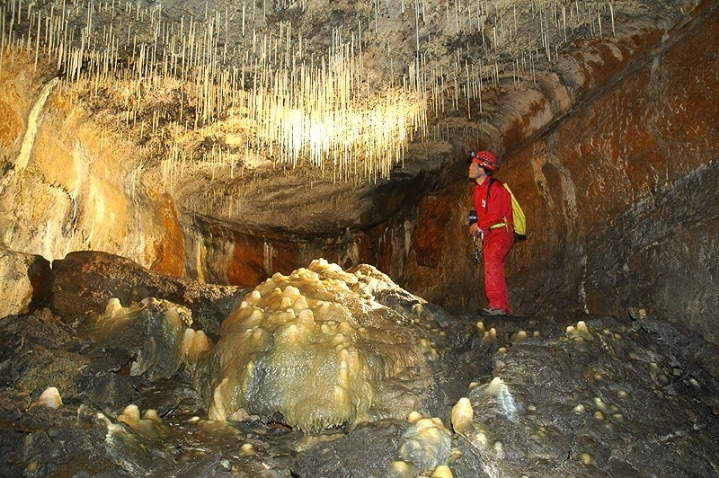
(486, 201)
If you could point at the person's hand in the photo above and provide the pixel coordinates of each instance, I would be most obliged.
(474, 230)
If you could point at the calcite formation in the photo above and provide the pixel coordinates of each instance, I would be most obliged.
(148, 425)
(425, 446)
(156, 331)
(319, 348)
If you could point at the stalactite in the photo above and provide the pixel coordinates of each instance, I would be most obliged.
(285, 96)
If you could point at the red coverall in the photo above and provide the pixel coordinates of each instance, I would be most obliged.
(497, 241)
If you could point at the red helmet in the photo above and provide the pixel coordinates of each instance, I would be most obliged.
(486, 159)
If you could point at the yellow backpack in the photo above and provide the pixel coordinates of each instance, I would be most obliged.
(520, 220)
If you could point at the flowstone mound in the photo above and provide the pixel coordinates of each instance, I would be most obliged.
(322, 347)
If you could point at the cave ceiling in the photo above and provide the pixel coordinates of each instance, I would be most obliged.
(315, 116)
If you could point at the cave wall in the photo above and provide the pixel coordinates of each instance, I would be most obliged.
(372, 224)
(620, 194)
(69, 182)
(226, 254)
(644, 179)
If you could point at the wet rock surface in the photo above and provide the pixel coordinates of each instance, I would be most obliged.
(550, 396)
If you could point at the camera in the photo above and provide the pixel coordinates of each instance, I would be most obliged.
(473, 217)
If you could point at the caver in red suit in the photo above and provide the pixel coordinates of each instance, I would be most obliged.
(493, 204)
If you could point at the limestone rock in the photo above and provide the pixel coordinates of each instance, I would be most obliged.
(24, 282)
(84, 282)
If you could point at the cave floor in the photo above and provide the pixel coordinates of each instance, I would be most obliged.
(604, 397)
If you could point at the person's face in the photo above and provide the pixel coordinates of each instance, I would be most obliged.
(474, 171)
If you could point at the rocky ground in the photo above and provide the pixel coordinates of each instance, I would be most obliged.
(541, 396)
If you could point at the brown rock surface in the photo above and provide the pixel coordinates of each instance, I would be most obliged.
(84, 282)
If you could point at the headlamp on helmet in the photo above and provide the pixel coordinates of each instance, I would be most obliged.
(485, 159)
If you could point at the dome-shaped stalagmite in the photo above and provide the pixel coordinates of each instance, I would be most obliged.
(320, 348)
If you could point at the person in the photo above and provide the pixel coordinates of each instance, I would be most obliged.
(494, 225)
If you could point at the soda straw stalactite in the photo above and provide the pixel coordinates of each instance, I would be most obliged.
(229, 75)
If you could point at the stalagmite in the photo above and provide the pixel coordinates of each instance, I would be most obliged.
(50, 398)
(310, 310)
(462, 416)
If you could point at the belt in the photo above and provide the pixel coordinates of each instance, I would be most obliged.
(498, 225)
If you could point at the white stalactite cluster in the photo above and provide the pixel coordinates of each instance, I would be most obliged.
(230, 71)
